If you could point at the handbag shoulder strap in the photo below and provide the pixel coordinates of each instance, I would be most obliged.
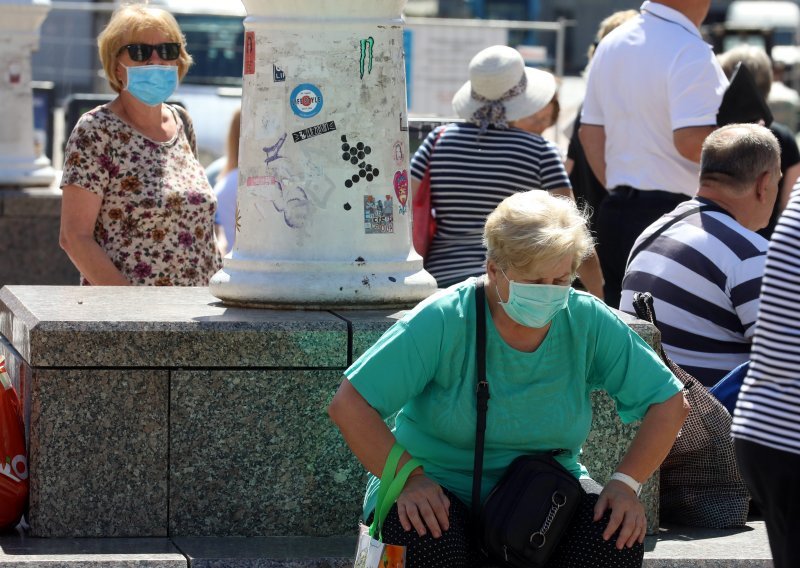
(482, 389)
(658, 232)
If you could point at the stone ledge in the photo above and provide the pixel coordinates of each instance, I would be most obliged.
(673, 547)
(80, 327)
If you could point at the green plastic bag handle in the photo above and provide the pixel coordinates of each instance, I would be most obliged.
(390, 488)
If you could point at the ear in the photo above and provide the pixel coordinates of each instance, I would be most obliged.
(763, 183)
(491, 270)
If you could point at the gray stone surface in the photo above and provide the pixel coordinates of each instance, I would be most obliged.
(254, 453)
(70, 326)
(269, 552)
(672, 547)
(98, 452)
(679, 547)
(29, 249)
(90, 553)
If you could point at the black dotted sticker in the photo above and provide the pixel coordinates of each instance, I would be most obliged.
(354, 155)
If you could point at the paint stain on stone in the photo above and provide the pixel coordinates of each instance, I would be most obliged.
(347, 207)
(360, 260)
(392, 279)
(365, 281)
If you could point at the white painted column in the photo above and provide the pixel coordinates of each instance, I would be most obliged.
(19, 37)
(324, 211)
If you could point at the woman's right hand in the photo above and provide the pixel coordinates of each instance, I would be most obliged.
(423, 506)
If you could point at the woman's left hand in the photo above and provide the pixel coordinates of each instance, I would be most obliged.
(627, 514)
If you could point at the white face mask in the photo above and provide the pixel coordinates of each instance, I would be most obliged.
(533, 305)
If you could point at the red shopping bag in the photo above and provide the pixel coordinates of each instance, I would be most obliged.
(13, 458)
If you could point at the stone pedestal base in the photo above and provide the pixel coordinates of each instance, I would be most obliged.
(160, 411)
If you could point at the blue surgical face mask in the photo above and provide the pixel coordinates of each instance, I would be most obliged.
(533, 305)
(152, 84)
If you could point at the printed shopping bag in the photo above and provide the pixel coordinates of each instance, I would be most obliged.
(13, 460)
(371, 552)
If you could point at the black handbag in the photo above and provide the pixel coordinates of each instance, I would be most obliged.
(528, 511)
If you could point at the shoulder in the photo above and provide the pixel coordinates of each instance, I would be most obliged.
(445, 307)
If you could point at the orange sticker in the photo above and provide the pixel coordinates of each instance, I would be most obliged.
(249, 53)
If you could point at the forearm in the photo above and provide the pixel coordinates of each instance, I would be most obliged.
(363, 429)
(591, 275)
(655, 438)
(93, 262)
(593, 140)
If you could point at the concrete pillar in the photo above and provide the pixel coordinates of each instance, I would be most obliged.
(19, 37)
(324, 211)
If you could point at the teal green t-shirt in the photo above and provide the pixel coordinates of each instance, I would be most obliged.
(423, 369)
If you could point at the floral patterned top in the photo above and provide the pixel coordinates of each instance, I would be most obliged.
(156, 222)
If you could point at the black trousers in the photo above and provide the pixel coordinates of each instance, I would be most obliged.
(773, 478)
(623, 215)
(582, 547)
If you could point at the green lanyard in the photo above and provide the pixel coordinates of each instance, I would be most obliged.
(390, 487)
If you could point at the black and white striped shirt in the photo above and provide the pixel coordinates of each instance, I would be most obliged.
(768, 409)
(470, 176)
(704, 273)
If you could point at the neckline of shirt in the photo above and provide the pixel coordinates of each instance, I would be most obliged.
(670, 15)
(169, 142)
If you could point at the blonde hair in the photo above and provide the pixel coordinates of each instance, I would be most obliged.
(232, 147)
(608, 25)
(755, 59)
(536, 227)
(126, 23)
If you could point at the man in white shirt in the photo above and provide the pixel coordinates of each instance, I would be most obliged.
(652, 97)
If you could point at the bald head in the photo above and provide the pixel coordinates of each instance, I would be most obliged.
(737, 154)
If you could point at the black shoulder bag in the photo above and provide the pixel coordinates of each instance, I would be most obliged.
(530, 508)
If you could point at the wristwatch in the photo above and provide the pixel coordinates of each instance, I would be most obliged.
(627, 480)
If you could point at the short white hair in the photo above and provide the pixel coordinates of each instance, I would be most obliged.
(536, 227)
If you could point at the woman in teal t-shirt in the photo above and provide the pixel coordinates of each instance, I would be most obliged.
(548, 347)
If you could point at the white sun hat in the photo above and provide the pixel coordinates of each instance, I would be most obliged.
(501, 88)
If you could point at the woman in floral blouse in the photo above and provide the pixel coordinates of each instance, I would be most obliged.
(137, 208)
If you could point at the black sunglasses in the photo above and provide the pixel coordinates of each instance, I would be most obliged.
(140, 52)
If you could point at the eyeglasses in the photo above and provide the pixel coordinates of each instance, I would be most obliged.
(140, 52)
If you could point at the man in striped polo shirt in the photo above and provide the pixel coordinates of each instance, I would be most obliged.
(703, 261)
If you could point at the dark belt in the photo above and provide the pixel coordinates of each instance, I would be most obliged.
(628, 192)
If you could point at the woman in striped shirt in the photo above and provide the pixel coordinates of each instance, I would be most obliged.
(766, 422)
(476, 164)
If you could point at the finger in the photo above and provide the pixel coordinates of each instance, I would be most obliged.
(442, 512)
(644, 529)
(627, 529)
(600, 507)
(614, 522)
(636, 533)
(416, 521)
(429, 517)
(401, 513)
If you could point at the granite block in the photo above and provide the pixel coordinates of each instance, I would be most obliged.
(29, 227)
(367, 326)
(98, 453)
(253, 453)
(269, 552)
(90, 553)
(60, 326)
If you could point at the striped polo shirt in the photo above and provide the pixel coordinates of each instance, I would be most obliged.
(768, 409)
(704, 273)
(470, 175)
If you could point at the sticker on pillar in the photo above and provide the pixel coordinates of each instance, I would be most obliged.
(274, 152)
(307, 133)
(366, 56)
(278, 74)
(378, 215)
(357, 156)
(249, 53)
(398, 153)
(306, 100)
(403, 124)
(14, 76)
(400, 183)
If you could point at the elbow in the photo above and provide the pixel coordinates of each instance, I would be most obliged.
(336, 407)
(65, 241)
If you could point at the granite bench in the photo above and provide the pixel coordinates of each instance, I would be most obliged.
(155, 412)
